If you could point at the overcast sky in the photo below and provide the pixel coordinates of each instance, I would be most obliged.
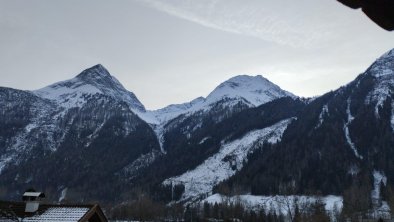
(172, 51)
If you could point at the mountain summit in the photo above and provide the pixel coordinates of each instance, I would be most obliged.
(256, 90)
(92, 81)
(94, 74)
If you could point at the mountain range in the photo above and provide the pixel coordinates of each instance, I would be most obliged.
(88, 138)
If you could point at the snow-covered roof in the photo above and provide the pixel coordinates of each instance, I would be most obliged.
(65, 214)
(11, 211)
(33, 194)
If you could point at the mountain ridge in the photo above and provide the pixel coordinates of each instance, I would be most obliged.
(254, 90)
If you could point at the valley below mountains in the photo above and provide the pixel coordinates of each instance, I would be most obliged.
(90, 139)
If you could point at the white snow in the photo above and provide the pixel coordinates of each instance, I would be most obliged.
(383, 72)
(256, 90)
(323, 112)
(392, 115)
(63, 195)
(379, 208)
(4, 160)
(278, 203)
(63, 214)
(350, 118)
(226, 162)
(30, 126)
(204, 139)
(68, 97)
(381, 211)
(378, 177)
(96, 80)
(40, 112)
(159, 131)
(94, 135)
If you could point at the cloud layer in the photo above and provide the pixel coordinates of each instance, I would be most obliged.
(282, 22)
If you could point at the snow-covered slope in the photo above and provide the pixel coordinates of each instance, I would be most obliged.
(226, 162)
(383, 72)
(92, 81)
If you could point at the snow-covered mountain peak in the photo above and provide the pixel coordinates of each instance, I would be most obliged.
(383, 72)
(96, 72)
(91, 81)
(256, 90)
(99, 77)
(383, 66)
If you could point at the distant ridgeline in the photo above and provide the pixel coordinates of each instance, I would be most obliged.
(88, 138)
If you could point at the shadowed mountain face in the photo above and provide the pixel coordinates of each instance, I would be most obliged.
(337, 138)
(379, 11)
(76, 134)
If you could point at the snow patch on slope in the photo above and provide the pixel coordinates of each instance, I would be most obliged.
(392, 115)
(350, 118)
(379, 178)
(204, 139)
(63, 195)
(5, 160)
(226, 162)
(40, 128)
(323, 113)
(68, 97)
(379, 208)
